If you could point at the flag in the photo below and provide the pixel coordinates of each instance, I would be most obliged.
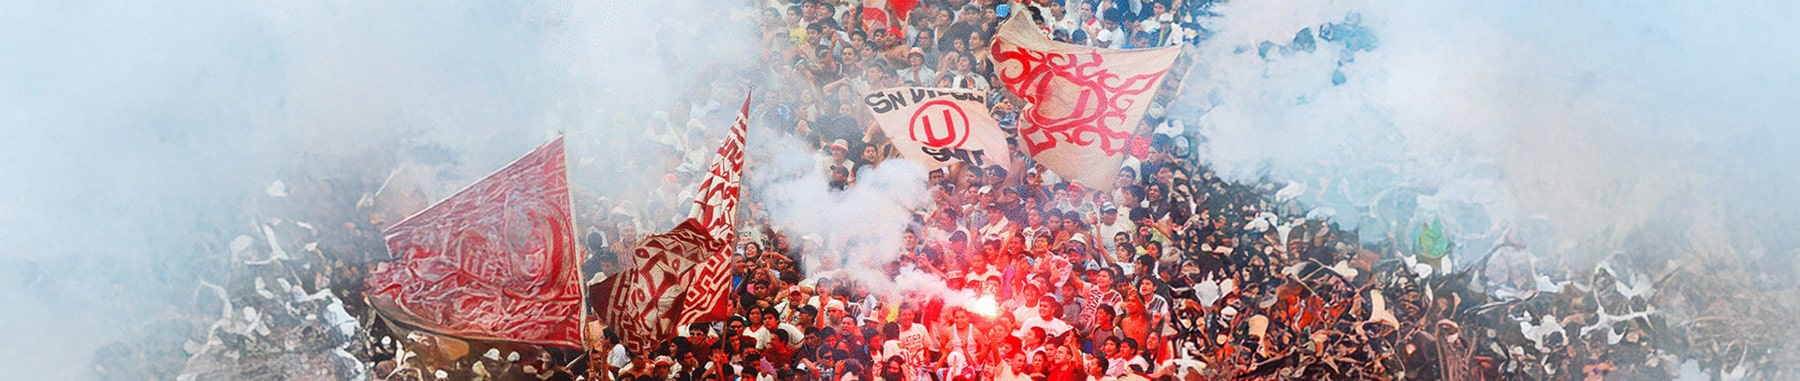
(682, 276)
(875, 18)
(903, 8)
(937, 127)
(1084, 102)
(495, 261)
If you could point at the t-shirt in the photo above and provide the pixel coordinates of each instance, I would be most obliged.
(916, 343)
(618, 358)
(996, 231)
(1095, 297)
(1108, 231)
(1053, 327)
(920, 76)
(916, 340)
(1025, 312)
(764, 338)
(1116, 367)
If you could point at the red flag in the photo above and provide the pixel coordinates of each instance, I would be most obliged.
(496, 261)
(1085, 102)
(903, 8)
(683, 276)
(874, 19)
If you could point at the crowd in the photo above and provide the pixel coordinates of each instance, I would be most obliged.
(1170, 272)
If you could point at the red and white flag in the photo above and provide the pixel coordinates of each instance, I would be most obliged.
(938, 127)
(1085, 102)
(496, 261)
(682, 276)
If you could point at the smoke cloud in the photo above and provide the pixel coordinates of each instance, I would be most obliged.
(849, 234)
(141, 137)
(1583, 130)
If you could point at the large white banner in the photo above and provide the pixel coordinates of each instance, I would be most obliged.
(938, 127)
(1085, 102)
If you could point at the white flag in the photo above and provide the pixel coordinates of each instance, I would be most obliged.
(1085, 102)
(938, 127)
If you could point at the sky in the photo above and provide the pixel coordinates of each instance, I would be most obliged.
(130, 130)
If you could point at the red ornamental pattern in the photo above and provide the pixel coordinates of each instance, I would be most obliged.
(710, 284)
(645, 304)
(682, 276)
(715, 205)
(1088, 100)
(496, 261)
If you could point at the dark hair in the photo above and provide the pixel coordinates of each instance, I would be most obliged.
(1162, 143)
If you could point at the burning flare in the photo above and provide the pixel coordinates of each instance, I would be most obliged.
(983, 305)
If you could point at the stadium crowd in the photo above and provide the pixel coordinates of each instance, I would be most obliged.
(1169, 273)
(1172, 272)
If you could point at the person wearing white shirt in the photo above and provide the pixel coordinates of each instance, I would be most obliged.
(1110, 225)
(916, 72)
(1060, 20)
(1047, 319)
(771, 322)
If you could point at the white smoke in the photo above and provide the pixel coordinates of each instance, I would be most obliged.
(139, 137)
(1573, 126)
(850, 234)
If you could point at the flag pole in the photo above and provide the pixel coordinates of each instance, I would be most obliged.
(580, 279)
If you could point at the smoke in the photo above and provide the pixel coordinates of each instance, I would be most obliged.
(140, 137)
(1582, 130)
(852, 234)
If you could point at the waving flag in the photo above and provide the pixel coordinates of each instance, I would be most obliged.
(1085, 102)
(937, 127)
(682, 276)
(496, 261)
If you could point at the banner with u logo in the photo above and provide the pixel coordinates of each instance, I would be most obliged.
(938, 127)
